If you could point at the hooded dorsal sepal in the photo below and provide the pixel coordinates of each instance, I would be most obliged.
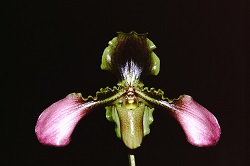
(130, 56)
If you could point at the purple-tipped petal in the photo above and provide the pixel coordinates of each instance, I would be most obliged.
(57, 122)
(200, 126)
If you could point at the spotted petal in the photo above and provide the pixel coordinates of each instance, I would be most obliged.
(200, 125)
(56, 123)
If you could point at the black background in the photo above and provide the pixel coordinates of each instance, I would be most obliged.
(202, 47)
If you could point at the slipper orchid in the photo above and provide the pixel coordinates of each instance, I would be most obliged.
(130, 105)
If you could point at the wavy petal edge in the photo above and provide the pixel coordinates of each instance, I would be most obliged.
(200, 126)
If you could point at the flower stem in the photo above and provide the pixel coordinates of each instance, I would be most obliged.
(131, 158)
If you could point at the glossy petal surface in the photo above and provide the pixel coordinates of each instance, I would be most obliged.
(56, 123)
(200, 125)
(130, 57)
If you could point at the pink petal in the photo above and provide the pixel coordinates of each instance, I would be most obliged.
(56, 123)
(200, 126)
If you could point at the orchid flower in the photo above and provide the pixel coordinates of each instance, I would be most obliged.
(129, 104)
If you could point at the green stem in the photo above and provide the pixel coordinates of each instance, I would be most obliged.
(131, 158)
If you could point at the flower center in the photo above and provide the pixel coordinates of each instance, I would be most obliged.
(131, 101)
